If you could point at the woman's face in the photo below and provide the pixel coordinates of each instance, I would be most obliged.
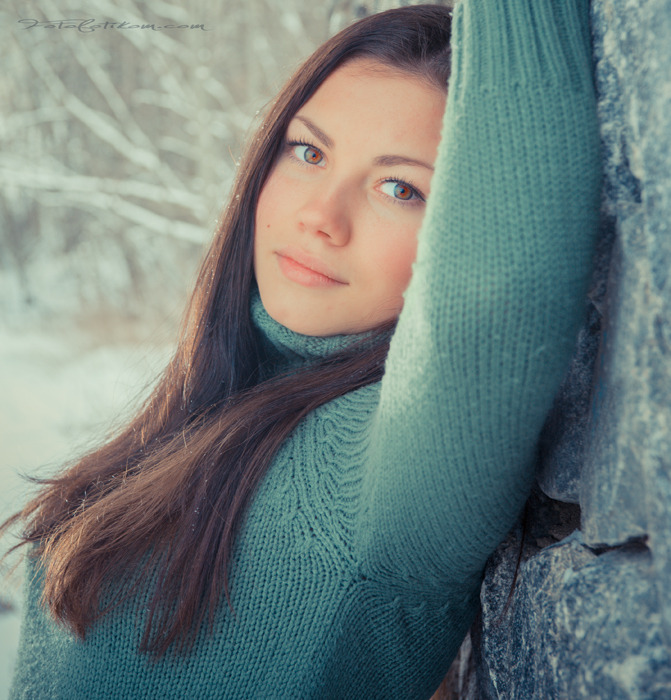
(337, 219)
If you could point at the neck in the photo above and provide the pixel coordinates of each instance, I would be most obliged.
(297, 349)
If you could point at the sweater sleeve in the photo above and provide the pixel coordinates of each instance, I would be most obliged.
(496, 298)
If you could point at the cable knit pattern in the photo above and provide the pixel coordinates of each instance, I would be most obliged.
(357, 571)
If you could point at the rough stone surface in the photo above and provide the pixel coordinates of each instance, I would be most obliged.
(626, 489)
(590, 616)
(584, 622)
(567, 429)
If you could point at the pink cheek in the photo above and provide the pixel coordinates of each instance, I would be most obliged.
(400, 268)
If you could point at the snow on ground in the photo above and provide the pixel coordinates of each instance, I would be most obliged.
(60, 390)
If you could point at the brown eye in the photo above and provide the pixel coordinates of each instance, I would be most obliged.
(402, 191)
(312, 155)
(307, 154)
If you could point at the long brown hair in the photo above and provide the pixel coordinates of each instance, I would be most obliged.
(171, 489)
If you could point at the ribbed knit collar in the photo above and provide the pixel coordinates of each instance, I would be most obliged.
(295, 347)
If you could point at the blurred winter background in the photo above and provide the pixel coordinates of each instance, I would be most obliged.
(117, 149)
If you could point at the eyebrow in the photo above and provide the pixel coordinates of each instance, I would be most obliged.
(385, 161)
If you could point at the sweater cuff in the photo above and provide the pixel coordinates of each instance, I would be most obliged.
(500, 43)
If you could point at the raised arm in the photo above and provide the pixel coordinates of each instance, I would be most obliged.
(497, 294)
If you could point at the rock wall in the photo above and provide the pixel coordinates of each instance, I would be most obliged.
(590, 616)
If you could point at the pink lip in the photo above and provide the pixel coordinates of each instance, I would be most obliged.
(306, 270)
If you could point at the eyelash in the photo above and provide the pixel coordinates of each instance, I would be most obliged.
(417, 199)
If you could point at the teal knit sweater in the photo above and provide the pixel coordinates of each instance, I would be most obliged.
(357, 572)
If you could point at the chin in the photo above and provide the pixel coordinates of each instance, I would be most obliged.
(322, 318)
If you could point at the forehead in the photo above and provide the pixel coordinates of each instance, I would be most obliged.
(371, 67)
(367, 73)
(368, 100)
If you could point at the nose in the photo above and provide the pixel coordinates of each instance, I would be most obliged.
(325, 212)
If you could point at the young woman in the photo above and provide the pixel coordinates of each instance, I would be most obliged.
(304, 507)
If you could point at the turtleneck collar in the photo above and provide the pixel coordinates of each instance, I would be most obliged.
(294, 347)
